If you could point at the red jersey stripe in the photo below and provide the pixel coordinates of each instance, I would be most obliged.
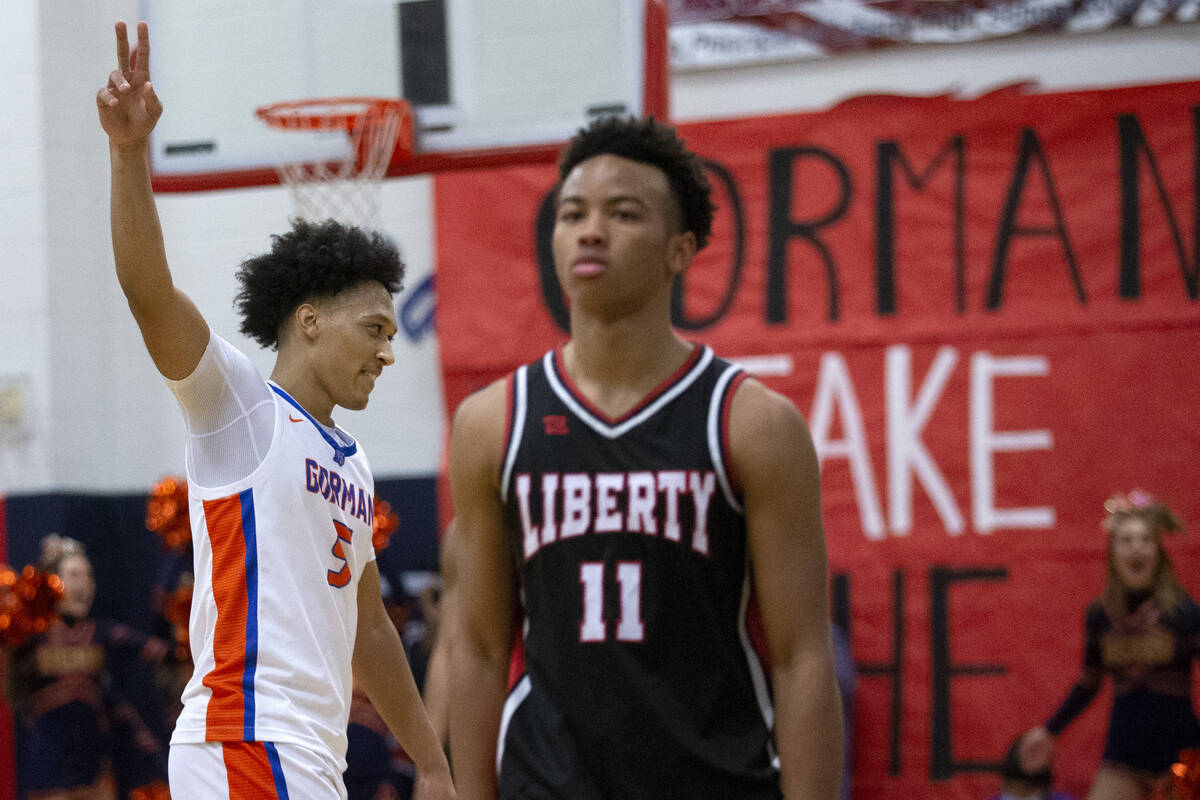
(248, 771)
(226, 709)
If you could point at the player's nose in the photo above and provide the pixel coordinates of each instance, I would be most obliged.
(386, 355)
(592, 229)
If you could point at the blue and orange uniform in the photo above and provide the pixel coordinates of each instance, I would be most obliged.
(277, 557)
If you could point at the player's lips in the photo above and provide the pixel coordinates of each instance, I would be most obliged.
(588, 265)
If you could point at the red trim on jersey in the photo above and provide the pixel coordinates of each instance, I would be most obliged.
(653, 395)
(726, 412)
(516, 661)
(248, 771)
(226, 707)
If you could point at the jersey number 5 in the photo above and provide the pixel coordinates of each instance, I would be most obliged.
(341, 577)
(629, 582)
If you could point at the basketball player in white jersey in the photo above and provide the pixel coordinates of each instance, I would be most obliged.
(287, 610)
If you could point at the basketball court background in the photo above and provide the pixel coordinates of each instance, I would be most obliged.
(86, 425)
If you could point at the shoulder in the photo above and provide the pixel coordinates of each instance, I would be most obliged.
(763, 420)
(221, 365)
(220, 354)
(770, 448)
(753, 401)
(1188, 614)
(484, 407)
(479, 429)
(1095, 617)
(1188, 605)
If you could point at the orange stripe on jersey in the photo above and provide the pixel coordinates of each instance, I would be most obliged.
(248, 771)
(227, 706)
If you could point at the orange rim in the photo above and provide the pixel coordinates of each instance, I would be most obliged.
(346, 113)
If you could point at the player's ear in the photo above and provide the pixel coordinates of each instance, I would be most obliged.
(681, 249)
(307, 320)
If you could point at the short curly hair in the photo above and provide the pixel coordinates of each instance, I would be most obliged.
(649, 142)
(313, 259)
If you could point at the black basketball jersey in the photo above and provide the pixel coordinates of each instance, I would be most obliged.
(640, 679)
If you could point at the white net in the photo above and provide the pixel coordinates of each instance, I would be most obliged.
(347, 188)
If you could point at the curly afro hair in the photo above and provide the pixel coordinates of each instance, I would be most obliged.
(313, 259)
(656, 144)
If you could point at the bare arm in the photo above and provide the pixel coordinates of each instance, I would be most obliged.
(174, 331)
(776, 464)
(437, 676)
(487, 601)
(381, 669)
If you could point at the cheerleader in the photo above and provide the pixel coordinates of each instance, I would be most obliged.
(1144, 632)
(74, 726)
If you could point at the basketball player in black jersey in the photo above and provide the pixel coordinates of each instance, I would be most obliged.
(626, 502)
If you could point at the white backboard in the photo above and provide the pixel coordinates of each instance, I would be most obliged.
(504, 73)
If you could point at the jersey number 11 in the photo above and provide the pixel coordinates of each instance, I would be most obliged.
(593, 627)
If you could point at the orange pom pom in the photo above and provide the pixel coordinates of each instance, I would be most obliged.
(167, 513)
(27, 604)
(385, 524)
(177, 610)
(1185, 775)
(156, 790)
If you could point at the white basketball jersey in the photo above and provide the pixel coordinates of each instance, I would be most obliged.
(278, 557)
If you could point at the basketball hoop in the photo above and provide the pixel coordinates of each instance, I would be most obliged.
(345, 188)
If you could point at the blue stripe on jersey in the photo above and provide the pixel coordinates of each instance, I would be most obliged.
(276, 771)
(248, 530)
(341, 451)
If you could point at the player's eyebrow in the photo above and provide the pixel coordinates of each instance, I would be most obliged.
(625, 198)
(614, 200)
(377, 317)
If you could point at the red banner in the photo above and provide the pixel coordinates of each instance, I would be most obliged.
(988, 312)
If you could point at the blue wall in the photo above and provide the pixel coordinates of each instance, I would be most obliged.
(127, 558)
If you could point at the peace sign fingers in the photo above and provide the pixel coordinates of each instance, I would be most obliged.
(136, 60)
(123, 48)
(128, 106)
(140, 60)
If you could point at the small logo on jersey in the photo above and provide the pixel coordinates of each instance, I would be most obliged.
(555, 424)
(339, 457)
(293, 419)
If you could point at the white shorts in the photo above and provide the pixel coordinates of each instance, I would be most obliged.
(252, 771)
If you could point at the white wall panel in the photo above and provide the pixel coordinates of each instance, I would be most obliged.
(24, 358)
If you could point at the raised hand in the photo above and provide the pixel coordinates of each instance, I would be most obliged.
(127, 105)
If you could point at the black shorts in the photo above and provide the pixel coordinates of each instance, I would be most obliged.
(1147, 730)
